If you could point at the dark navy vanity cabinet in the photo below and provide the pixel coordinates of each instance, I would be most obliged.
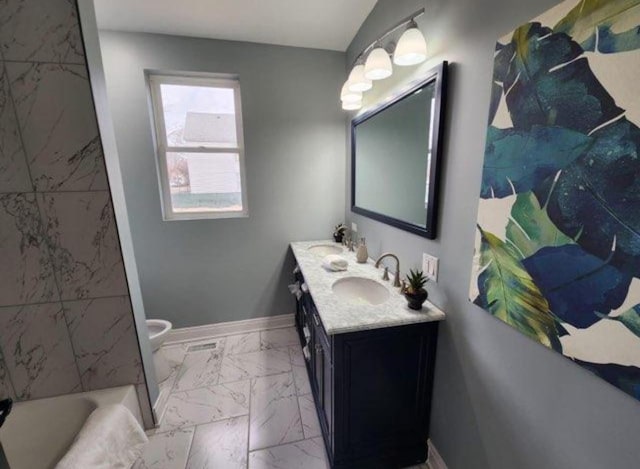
(372, 389)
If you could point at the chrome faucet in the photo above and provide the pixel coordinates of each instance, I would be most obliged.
(396, 281)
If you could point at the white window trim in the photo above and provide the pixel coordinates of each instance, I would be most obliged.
(162, 146)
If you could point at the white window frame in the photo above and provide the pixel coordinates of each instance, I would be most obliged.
(155, 79)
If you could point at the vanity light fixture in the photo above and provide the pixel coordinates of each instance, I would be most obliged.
(411, 48)
(357, 81)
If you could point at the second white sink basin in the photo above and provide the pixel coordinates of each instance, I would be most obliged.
(360, 290)
(325, 249)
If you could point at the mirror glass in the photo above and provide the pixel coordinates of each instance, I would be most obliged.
(395, 151)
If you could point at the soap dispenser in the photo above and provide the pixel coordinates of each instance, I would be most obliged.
(361, 254)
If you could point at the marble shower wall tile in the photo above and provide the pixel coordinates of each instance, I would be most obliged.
(56, 115)
(40, 31)
(14, 174)
(6, 388)
(62, 243)
(26, 275)
(104, 342)
(84, 242)
(37, 351)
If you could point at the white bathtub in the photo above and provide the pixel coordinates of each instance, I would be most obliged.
(38, 433)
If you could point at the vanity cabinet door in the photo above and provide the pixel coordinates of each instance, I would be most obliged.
(323, 371)
(300, 320)
(310, 342)
(382, 387)
(327, 390)
(298, 278)
(318, 361)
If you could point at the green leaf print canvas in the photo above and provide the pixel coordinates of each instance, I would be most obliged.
(557, 253)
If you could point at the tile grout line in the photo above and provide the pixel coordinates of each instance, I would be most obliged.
(65, 191)
(284, 444)
(191, 440)
(232, 382)
(18, 126)
(62, 300)
(295, 389)
(171, 388)
(42, 62)
(249, 425)
(299, 408)
(73, 349)
(186, 427)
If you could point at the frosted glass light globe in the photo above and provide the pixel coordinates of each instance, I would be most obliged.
(411, 48)
(349, 96)
(351, 106)
(378, 65)
(357, 81)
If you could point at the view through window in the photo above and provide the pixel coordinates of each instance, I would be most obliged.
(200, 153)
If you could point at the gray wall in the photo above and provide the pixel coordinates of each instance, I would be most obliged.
(209, 271)
(66, 323)
(501, 401)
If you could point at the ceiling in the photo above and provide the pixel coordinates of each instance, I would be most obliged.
(319, 24)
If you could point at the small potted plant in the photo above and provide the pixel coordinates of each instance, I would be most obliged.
(338, 232)
(415, 292)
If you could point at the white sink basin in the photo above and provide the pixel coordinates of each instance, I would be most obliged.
(325, 249)
(360, 290)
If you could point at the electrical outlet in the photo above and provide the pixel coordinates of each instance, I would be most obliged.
(354, 227)
(430, 266)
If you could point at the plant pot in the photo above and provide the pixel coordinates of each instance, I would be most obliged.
(416, 300)
(337, 237)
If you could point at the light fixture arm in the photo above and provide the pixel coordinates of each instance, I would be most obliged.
(411, 19)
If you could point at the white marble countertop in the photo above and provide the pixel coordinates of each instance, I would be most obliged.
(339, 316)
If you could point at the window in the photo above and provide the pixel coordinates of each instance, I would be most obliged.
(199, 146)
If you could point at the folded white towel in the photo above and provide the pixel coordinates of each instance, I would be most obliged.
(294, 288)
(111, 438)
(335, 263)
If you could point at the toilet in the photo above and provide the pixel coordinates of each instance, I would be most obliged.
(158, 331)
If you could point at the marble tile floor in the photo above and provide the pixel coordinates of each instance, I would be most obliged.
(244, 404)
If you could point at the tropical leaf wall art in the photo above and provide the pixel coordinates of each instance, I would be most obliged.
(558, 236)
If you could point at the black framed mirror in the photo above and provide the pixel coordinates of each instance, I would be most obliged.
(395, 154)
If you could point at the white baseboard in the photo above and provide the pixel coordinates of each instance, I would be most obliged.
(187, 334)
(435, 460)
